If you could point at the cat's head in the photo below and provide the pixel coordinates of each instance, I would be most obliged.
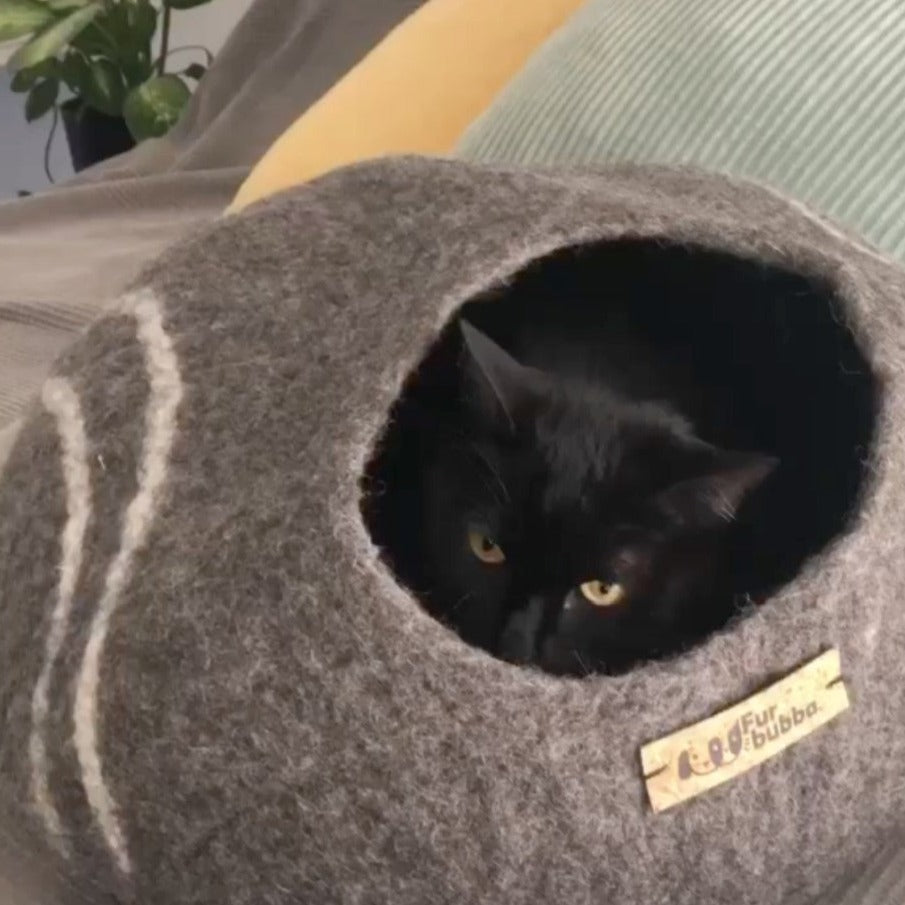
(572, 529)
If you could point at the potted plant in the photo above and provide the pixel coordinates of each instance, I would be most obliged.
(96, 63)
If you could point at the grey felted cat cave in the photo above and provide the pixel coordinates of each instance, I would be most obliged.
(215, 690)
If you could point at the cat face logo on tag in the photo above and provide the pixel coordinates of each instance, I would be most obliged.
(702, 756)
(692, 762)
(751, 732)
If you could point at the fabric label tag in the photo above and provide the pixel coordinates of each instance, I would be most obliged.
(707, 754)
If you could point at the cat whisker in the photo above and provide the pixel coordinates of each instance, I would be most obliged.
(493, 488)
(461, 601)
(584, 667)
(494, 473)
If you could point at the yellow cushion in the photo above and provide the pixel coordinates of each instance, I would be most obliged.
(415, 92)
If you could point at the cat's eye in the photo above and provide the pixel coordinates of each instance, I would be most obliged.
(485, 548)
(603, 593)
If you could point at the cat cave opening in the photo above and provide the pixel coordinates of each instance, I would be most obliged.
(624, 448)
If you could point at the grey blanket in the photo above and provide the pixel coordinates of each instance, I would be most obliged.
(65, 255)
(214, 691)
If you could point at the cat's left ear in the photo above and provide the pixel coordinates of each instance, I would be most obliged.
(502, 389)
(713, 496)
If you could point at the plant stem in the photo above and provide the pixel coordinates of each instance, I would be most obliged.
(49, 144)
(164, 37)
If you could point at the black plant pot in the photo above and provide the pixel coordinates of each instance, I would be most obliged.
(93, 136)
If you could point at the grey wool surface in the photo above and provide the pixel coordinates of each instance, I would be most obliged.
(213, 691)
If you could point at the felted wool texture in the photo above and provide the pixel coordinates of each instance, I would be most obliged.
(274, 719)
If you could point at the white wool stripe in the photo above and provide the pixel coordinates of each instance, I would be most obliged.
(61, 401)
(160, 427)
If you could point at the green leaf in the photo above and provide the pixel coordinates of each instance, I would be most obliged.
(185, 4)
(22, 17)
(141, 17)
(137, 69)
(129, 25)
(41, 98)
(123, 34)
(24, 79)
(61, 5)
(195, 71)
(75, 70)
(102, 87)
(54, 39)
(153, 108)
(90, 42)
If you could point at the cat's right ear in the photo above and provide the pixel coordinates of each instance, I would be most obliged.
(500, 389)
(713, 497)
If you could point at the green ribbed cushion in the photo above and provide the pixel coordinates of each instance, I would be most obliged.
(806, 95)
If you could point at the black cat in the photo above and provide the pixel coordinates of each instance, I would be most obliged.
(570, 517)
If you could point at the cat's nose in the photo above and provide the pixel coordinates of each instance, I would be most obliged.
(518, 642)
(571, 605)
(569, 620)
